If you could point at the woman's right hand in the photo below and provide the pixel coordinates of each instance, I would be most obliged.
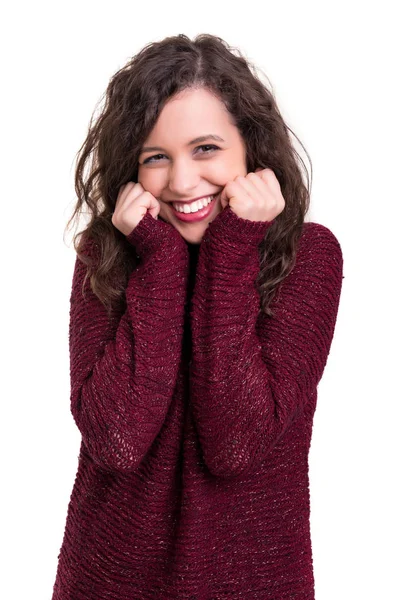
(132, 204)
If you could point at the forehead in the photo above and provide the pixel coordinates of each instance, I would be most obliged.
(191, 113)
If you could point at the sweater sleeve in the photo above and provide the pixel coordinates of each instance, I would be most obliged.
(248, 385)
(123, 369)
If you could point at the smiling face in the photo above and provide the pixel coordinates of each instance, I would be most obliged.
(192, 152)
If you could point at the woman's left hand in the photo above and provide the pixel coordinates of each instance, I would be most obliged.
(256, 197)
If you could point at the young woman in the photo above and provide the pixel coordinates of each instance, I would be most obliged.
(202, 313)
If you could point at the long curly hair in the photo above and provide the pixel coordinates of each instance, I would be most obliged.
(134, 98)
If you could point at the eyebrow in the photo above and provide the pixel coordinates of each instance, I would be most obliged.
(202, 138)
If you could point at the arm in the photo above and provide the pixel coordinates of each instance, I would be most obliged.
(124, 369)
(245, 393)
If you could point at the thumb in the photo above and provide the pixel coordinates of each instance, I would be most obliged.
(154, 207)
(224, 198)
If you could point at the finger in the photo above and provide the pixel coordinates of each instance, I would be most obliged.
(269, 177)
(230, 191)
(151, 203)
(249, 188)
(259, 182)
(130, 192)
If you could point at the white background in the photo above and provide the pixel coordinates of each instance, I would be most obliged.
(335, 75)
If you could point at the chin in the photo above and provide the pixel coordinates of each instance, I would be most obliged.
(192, 239)
(192, 233)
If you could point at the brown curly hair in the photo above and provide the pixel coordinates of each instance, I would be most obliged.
(134, 98)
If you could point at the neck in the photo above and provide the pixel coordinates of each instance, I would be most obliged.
(193, 250)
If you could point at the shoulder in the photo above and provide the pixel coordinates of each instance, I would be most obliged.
(317, 241)
(318, 233)
(87, 256)
(318, 263)
(89, 247)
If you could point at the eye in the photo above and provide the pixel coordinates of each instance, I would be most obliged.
(211, 147)
(147, 160)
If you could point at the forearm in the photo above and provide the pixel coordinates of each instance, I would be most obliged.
(246, 390)
(123, 373)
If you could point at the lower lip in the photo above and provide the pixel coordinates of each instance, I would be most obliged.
(196, 216)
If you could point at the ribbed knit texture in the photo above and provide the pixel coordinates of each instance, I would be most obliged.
(196, 418)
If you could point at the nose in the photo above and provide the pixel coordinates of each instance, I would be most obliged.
(183, 178)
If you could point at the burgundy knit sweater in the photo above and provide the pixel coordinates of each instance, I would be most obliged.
(196, 418)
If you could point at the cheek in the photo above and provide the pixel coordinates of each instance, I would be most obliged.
(149, 181)
(232, 166)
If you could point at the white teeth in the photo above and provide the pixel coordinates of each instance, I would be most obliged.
(193, 206)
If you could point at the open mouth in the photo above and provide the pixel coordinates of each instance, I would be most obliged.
(197, 212)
